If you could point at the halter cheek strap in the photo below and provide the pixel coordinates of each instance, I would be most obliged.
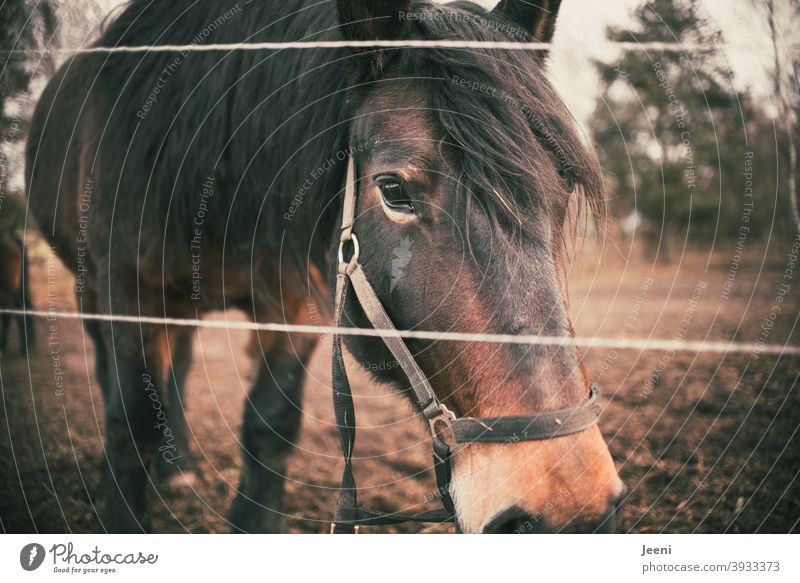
(349, 515)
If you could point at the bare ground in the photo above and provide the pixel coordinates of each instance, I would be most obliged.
(705, 442)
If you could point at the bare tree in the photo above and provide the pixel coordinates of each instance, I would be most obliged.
(783, 22)
(25, 25)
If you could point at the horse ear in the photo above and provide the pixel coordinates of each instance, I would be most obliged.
(538, 17)
(365, 20)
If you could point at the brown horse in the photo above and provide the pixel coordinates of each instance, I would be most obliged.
(13, 291)
(194, 181)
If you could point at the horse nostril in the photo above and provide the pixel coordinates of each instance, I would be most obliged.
(514, 520)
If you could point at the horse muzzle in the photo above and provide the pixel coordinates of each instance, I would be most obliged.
(567, 484)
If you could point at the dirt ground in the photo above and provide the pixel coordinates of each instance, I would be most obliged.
(704, 442)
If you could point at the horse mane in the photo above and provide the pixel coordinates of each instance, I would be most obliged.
(519, 154)
(214, 118)
(518, 147)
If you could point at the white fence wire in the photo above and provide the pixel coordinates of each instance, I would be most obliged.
(421, 44)
(717, 346)
(708, 346)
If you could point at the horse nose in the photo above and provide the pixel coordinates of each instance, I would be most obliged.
(515, 520)
(606, 524)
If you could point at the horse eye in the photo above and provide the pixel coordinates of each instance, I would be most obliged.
(394, 195)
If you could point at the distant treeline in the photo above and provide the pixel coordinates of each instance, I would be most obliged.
(687, 156)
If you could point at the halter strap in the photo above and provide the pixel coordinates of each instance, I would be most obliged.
(546, 425)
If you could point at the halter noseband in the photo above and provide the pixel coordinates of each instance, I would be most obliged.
(511, 429)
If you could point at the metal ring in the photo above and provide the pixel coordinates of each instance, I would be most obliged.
(445, 417)
(356, 249)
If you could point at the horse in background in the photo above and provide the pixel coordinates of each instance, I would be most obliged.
(14, 291)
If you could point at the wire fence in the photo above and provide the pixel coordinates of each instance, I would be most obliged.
(715, 346)
(698, 346)
(654, 46)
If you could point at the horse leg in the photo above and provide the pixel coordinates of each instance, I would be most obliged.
(135, 413)
(271, 426)
(26, 334)
(5, 322)
(25, 323)
(87, 303)
(175, 465)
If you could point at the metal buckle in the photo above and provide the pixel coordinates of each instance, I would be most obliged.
(356, 248)
(445, 416)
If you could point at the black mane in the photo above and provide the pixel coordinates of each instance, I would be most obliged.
(519, 151)
(517, 142)
(214, 117)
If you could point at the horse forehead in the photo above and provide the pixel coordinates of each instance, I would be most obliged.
(395, 111)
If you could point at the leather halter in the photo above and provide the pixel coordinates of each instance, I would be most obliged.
(546, 425)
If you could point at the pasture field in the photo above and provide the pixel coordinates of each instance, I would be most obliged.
(705, 442)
